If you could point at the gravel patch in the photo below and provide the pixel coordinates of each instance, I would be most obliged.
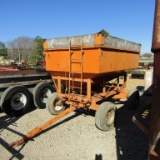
(75, 137)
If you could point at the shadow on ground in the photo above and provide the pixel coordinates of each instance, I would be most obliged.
(5, 122)
(132, 143)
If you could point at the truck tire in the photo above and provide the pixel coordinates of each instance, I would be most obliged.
(41, 92)
(54, 104)
(105, 116)
(16, 101)
(133, 99)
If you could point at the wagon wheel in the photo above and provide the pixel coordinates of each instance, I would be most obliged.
(105, 116)
(55, 104)
(133, 99)
(16, 101)
(41, 93)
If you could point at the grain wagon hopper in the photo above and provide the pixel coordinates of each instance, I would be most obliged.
(92, 68)
(88, 72)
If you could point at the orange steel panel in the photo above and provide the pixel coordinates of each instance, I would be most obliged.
(59, 61)
(115, 60)
(99, 39)
(95, 60)
(44, 44)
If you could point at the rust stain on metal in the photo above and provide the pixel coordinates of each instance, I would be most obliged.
(156, 28)
(155, 108)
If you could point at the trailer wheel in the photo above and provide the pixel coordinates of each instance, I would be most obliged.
(105, 116)
(16, 101)
(55, 104)
(133, 99)
(41, 92)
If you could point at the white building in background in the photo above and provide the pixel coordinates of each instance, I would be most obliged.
(145, 62)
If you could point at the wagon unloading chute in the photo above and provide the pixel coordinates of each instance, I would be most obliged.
(88, 72)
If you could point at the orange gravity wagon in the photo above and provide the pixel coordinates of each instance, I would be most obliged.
(89, 71)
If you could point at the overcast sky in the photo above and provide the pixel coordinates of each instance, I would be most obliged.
(128, 19)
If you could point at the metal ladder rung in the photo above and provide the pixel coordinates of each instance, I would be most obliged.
(75, 87)
(74, 59)
(75, 72)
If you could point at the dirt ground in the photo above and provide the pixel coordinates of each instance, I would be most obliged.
(75, 137)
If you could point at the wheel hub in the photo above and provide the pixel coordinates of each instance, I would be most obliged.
(110, 117)
(46, 93)
(59, 105)
(18, 101)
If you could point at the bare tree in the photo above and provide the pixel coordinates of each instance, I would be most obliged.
(20, 48)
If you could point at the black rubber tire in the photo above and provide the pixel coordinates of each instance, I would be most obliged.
(16, 101)
(52, 106)
(105, 116)
(41, 93)
(133, 99)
